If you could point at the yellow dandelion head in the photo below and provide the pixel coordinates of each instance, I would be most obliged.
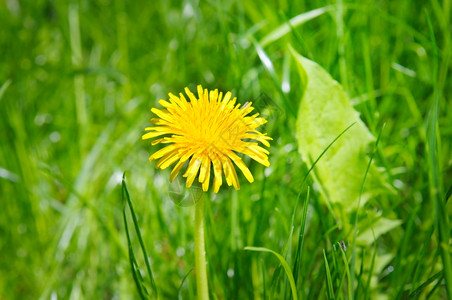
(207, 131)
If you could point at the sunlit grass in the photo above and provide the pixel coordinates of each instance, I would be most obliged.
(78, 82)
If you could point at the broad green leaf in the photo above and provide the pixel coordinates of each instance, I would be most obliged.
(325, 111)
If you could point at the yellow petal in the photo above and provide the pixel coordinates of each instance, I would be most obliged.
(153, 134)
(232, 174)
(205, 183)
(176, 170)
(218, 181)
(164, 103)
(157, 141)
(259, 149)
(200, 92)
(187, 154)
(246, 110)
(162, 152)
(213, 96)
(259, 157)
(183, 100)
(169, 160)
(227, 97)
(227, 173)
(175, 100)
(190, 95)
(192, 171)
(163, 114)
(239, 162)
(258, 137)
(255, 122)
(205, 168)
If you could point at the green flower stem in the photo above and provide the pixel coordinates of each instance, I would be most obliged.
(200, 252)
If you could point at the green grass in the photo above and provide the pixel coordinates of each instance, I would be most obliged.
(77, 82)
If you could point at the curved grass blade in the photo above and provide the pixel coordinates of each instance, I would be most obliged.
(297, 263)
(266, 61)
(284, 265)
(347, 271)
(421, 258)
(432, 291)
(133, 266)
(326, 149)
(329, 289)
(419, 289)
(135, 272)
(355, 230)
(179, 290)
(292, 23)
(371, 270)
(288, 254)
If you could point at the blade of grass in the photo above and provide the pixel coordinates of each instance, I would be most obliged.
(437, 284)
(371, 270)
(370, 106)
(420, 288)
(436, 184)
(339, 16)
(299, 252)
(292, 23)
(287, 251)
(329, 282)
(420, 259)
(359, 278)
(347, 270)
(125, 195)
(278, 273)
(334, 267)
(256, 279)
(79, 80)
(355, 230)
(179, 290)
(264, 281)
(123, 47)
(391, 20)
(448, 194)
(266, 61)
(403, 267)
(284, 265)
(344, 272)
(133, 263)
(324, 151)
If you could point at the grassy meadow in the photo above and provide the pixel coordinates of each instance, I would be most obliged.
(78, 80)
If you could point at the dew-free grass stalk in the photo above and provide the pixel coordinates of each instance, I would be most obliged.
(200, 252)
(133, 263)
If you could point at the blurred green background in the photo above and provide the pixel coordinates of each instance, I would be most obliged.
(77, 82)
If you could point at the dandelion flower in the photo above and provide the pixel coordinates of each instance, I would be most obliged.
(209, 130)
